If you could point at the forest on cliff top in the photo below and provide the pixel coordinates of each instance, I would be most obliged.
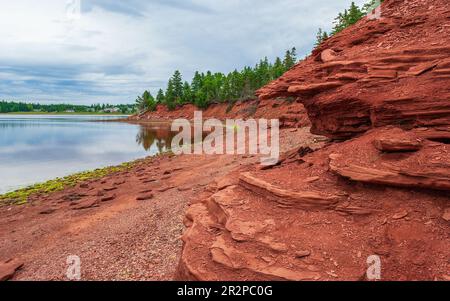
(209, 88)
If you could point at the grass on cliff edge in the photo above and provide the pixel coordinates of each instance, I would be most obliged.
(21, 196)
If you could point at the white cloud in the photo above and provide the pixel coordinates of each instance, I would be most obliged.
(117, 49)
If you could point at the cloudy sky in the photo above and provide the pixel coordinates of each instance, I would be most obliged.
(109, 50)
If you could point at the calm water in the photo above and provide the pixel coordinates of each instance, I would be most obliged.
(39, 148)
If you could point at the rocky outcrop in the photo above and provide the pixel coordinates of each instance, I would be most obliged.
(290, 114)
(288, 198)
(396, 140)
(408, 164)
(303, 220)
(320, 213)
(377, 73)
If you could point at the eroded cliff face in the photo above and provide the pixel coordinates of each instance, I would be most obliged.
(383, 86)
(290, 114)
(395, 70)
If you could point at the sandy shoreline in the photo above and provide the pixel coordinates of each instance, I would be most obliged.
(124, 226)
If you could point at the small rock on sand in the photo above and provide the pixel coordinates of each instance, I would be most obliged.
(110, 189)
(446, 215)
(86, 205)
(164, 189)
(108, 198)
(47, 211)
(400, 215)
(302, 254)
(145, 197)
(9, 268)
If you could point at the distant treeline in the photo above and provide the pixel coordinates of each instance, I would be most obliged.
(207, 88)
(21, 107)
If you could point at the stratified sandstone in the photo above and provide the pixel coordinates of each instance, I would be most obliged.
(290, 114)
(379, 72)
(320, 217)
(396, 140)
(319, 214)
(419, 167)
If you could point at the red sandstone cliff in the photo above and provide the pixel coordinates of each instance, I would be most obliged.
(290, 114)
(384, 87)
(395, 70)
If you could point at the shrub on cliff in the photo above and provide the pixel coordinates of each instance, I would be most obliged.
(347, 18)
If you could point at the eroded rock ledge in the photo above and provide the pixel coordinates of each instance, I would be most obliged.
(305, 221)
(376, 73)
(403, 160)
(320, 213)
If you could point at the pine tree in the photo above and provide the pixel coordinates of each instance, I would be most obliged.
(290, 58)
(294, 54)
(160, 98)
(351, 16)
(320, 37)
(187, 93)
(150, 101)
(146, 102)
(197, 83)
(170, 98)
(209, 88)
(177, 82)
(354, 14)
(277, 69)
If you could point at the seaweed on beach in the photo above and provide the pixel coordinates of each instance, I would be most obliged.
(21, 196)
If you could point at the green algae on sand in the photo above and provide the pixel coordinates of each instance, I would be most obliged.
(21, 196)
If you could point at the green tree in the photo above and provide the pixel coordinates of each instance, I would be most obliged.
(187, 93)
(320, 37)
(354, 14)
(170, 99)
(177, 81)
(349, 17)
(160, 98)
(197, 83)
(207, 88)
(146, 102)
(290, 58)
(278, 68)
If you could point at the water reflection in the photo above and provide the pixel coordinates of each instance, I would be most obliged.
(159, 136)
(39, 148)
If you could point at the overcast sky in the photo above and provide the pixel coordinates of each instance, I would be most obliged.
(113, 50)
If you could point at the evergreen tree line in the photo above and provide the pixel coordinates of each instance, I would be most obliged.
(345, 19)
(208, 88)
(20, 107)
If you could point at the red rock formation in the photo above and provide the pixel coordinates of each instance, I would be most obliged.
(304, 220)
(426, 166)
(320, 213)
(291, 115)
(393, 71)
